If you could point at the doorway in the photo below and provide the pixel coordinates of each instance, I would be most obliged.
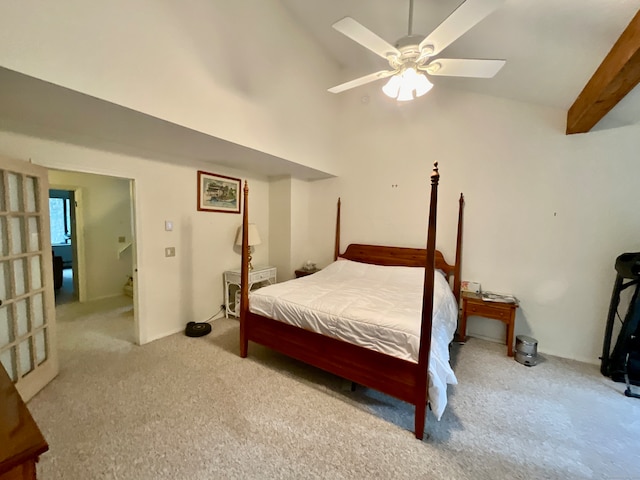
(99, 234)
(62, 219)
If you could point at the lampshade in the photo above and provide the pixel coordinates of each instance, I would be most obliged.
(254, 236)
(392, 87)
(407, 85)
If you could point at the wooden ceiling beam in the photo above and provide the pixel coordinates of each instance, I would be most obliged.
(616, 76)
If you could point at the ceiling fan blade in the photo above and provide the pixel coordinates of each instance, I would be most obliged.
(464, 67)
(365, 37)
(462, 19)
(361, 81)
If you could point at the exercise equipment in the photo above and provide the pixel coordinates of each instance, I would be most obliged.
(623, 363)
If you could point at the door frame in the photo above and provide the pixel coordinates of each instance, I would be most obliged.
(137, 326)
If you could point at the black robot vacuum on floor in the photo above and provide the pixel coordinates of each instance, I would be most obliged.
(195, 329)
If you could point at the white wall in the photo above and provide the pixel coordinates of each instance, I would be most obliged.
(546, 214)
(187, 287)
(280, 226)
(289, 224)
(238, 70)
(300, 220)
(106, 212)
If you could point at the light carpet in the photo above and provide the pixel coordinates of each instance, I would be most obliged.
(191, 408)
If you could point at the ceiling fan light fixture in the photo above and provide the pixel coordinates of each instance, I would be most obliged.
(407, 85)
(392, 87)
(418, 82)
(405, 94)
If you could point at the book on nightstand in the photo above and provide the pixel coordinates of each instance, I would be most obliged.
(498, 297)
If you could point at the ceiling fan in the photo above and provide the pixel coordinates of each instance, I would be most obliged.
(413, 55)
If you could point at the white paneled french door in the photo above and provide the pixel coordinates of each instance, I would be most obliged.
(27, 304)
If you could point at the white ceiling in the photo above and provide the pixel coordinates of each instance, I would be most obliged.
(552, 47)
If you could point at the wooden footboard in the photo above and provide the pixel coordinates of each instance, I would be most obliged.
(396, 377)
(392, 375)
(405, 380)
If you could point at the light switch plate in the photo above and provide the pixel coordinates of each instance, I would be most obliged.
(170, 252)
(168, 225)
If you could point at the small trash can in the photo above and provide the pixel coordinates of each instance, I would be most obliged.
(526, 350)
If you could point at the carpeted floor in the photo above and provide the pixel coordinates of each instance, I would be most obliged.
(191, 408)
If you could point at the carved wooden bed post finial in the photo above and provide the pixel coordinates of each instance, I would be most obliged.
(435, 175)
(244, 275)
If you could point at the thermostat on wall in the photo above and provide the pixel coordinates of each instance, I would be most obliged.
(467, 286)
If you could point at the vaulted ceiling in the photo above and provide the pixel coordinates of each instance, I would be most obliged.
(552, 48)
(617, 75)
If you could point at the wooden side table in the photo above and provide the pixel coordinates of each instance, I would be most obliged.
(473, 304)
(303, 273)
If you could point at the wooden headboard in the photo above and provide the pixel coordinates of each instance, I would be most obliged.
(402, 256)
(395, 256)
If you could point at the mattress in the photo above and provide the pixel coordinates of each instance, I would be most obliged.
(376, 307)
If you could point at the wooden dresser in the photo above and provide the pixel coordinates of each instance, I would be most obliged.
(21, 442)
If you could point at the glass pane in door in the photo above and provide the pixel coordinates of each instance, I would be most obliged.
(3, 236)
(19, 276)
(36, 275)
(24, 353)
(15, 192)
(37, 309)
(22, 315)
(6, 327)
(2, 205)
(5, 281)
(30, 186)
(41, 347)
(32, 234)
(17, 236)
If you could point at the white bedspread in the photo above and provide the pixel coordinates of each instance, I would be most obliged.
(376, 307)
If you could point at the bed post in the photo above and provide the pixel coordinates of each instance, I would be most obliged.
(457, 281)
(336, 251)
(427, 311)
(244, 276)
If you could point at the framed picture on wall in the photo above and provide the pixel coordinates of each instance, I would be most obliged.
(218, 193)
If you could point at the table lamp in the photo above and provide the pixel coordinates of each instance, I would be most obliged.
(254, 239)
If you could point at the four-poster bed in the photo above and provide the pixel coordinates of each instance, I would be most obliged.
(404, 378)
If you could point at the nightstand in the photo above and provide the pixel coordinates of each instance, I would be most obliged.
(473, 305)
(303, 273)
(258, 277)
